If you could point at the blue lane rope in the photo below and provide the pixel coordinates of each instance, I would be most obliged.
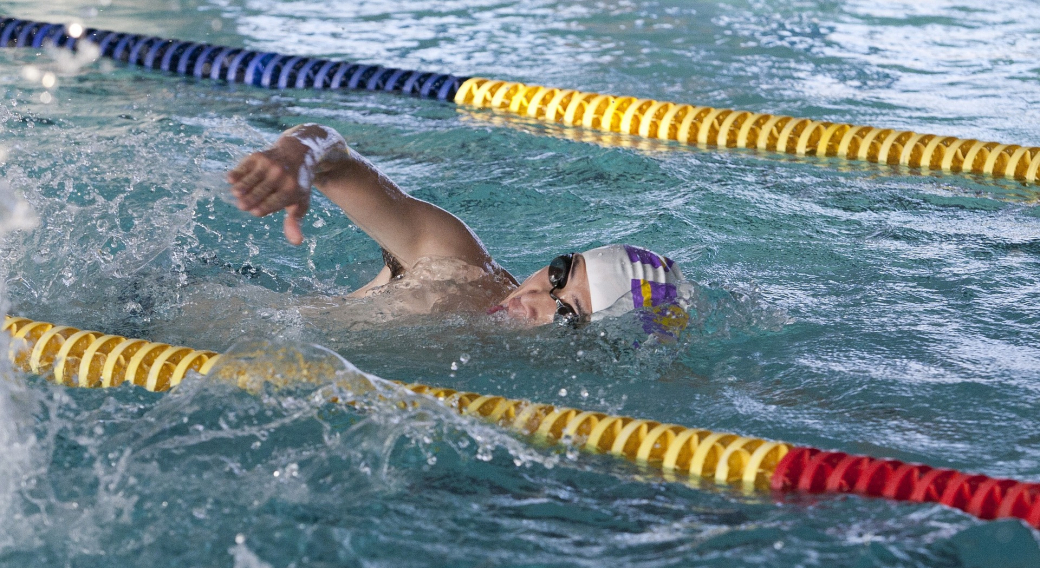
(647, 118)
(268, 70)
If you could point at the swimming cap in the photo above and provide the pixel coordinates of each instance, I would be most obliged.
(616, 270)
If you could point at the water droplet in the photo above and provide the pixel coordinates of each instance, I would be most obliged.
(464, 358)
(240, 538)
(563, 392)
(454, 366)
(583, 393)
(431, 460)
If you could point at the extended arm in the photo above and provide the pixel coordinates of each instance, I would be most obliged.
(281, 177)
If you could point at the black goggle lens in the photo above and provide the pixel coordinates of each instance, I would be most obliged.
(559, 271)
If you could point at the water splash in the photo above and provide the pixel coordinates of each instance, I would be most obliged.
(18, 445)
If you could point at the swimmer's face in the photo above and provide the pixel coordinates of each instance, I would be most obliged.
(533, 301)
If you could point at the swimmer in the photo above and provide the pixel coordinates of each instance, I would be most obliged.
(422, 240)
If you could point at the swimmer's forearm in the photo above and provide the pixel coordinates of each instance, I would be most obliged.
(409, 228)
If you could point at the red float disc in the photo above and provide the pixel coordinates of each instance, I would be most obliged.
(932, 485)
(988, 497)
(903, 480)
(960, 489)
(845, 474)
(814, 476)
(876, 476)
(790, 468)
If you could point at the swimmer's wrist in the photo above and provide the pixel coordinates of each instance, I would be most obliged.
(321, 145)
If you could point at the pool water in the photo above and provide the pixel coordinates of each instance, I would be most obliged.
(860, 308)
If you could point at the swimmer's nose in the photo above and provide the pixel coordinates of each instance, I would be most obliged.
(534, 307)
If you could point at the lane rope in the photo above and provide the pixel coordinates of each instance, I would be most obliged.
(91, 359)
(235, 65)
(729, 128)
(647, 118)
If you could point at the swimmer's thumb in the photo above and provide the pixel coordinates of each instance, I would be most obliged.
(293, 232)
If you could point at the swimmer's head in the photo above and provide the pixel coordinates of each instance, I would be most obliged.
(603, 281)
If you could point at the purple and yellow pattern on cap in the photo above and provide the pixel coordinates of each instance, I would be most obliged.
(637, 254)
(614, 271)
(652, 280)
(647, 294)
(650, 293)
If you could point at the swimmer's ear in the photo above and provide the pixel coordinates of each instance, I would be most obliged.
(293, 215)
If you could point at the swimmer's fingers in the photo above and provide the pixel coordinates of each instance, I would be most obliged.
(249, 188)
(246, 174)
(265, 177)
(293, 215)
(283, 193)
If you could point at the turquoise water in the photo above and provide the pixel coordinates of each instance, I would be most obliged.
(850, 307)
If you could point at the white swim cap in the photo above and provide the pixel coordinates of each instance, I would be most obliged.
(616, 270)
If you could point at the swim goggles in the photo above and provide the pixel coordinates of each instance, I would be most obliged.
(559, 271)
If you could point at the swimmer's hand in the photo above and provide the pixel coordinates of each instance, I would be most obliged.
(274, 179)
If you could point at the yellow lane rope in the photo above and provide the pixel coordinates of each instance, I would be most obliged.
(728, 128)
(78, 358)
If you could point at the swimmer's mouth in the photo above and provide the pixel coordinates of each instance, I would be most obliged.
(495, 309)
